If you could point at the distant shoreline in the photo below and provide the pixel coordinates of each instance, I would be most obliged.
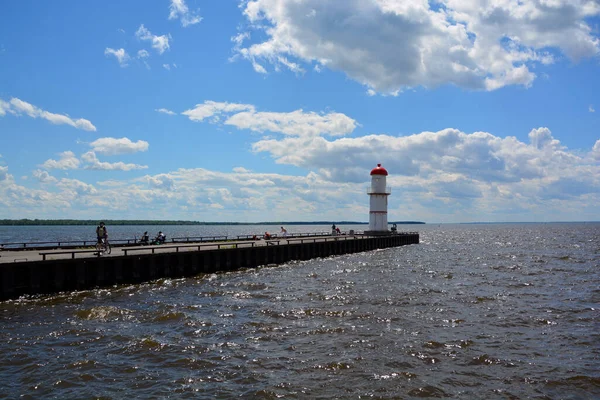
(54, 222)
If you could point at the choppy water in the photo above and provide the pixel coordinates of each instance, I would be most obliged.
(474, 311)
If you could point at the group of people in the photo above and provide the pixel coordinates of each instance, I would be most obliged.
(102, 235)
(159, 239)
(267, 235)
(335, 230)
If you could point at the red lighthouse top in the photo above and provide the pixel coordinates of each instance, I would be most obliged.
(379, 170)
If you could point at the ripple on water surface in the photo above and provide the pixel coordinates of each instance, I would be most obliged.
(490, 311)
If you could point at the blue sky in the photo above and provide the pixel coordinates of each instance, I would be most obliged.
(266, 110)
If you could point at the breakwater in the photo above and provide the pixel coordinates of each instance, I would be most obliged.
(58, 275)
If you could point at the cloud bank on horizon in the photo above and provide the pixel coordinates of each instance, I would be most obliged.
(278, 109)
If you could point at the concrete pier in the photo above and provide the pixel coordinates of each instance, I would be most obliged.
(28, 272)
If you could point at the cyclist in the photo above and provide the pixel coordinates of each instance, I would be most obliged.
(102, 233)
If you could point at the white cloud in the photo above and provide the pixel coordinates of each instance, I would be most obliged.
(161, 181)
(143, 54)
(167, 67)
(436, 156)
(93, 163)
(241, 170)
(214, 109)
(164, 111)
(76, 187)
(444, 176)
(391, 45)
(4, 108)
(296, 123)
(596, 150)
(114, 146)
(591, 109)
(67, 160)
(159, 43)
(43, 176)
(120, 54)
(180, 10)
(19, 107)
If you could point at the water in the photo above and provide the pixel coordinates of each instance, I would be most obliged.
(474, 311)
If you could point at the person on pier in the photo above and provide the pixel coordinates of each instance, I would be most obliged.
(160, 238)
(101, 233)
(283, 232)
(144, 239)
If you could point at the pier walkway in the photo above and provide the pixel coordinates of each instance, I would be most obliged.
(58, 253)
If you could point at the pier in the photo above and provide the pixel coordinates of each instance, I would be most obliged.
(31, 271)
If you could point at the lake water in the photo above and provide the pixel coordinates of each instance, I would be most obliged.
(506, 311)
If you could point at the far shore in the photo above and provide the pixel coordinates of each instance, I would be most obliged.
(56, 222)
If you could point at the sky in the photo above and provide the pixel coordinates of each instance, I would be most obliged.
(277, 110)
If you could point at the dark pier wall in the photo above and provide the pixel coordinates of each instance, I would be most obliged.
(51, 276)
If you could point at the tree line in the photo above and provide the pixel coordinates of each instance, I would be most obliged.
(113, 222)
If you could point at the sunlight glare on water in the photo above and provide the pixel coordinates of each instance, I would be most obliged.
(474, 311)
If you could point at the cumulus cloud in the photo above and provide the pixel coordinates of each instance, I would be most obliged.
(165, 111)
(430, 158)
(590, 108)
(391, 45)
(295, 123)
(179, 10)
(448, 175)
(120, 54)
(76, 187)
(542, 137)
(67, 160)
(43, 176)
(161, 181)
(159, 43)
(92, 162)
(114, 146)
(19, 107)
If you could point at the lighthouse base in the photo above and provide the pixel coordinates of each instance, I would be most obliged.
(378, 233)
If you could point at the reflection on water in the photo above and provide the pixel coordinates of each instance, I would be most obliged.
(474, 311)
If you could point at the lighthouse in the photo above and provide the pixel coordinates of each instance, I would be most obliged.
(378, 194)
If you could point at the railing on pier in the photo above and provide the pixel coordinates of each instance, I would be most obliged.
(129, 242)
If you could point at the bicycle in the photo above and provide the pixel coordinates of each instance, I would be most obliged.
(103, 246)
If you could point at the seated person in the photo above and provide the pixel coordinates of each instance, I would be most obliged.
(267, 236)
(394, 228)
(144, 239)
(160, 238)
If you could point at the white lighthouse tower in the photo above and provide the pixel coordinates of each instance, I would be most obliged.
(378, 194)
